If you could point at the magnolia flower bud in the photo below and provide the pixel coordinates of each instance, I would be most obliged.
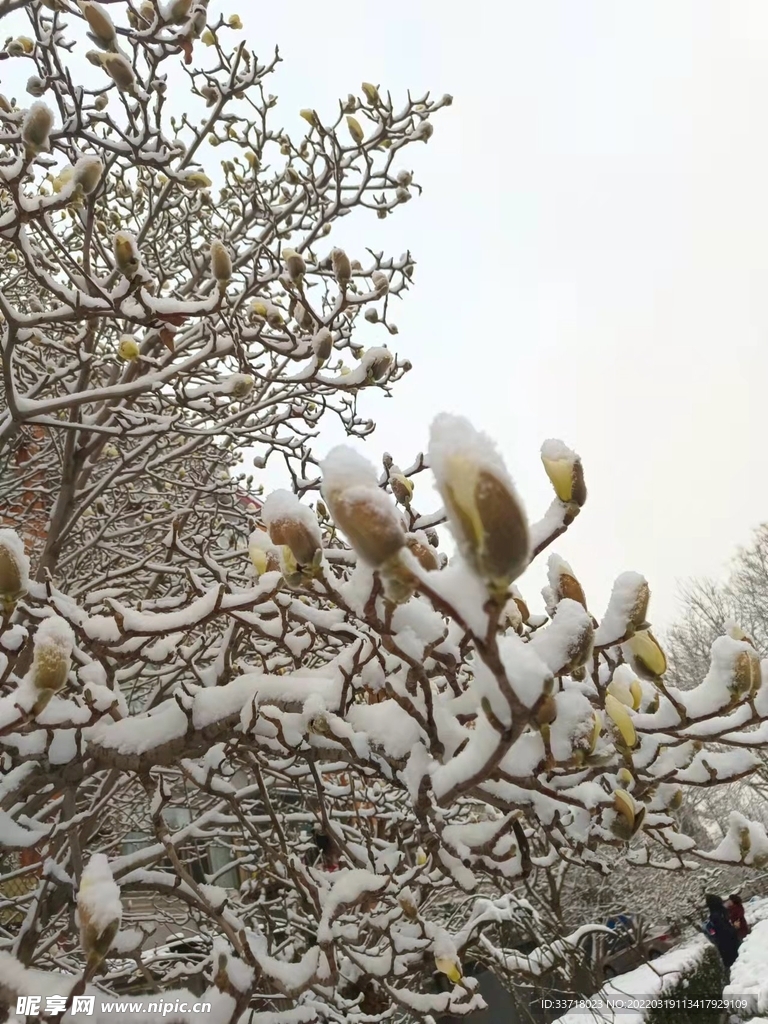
(101, 102)
(377, 362)
(98, 908)
(240, 385)
(53, 645)
(309, 116)
(99, 21)
(128, 348)
(360, 509)
(20, 46)
(120, 71)
(380, 283)
(402, 488)
(545, 710)
(14, 569)
(221, 264)
(485, 513)
(263, 554)
(564, 469)
(648, 655)
(234, 21)
(371, 93)
(355, 130)
(196, 180)
(177, 11)
(342, 268)
(126, 253)
(87, 173)
(36, 86)
(36, 127)
(424, 553)
(449, 967)
(322, 344)
(624, 805)
(294, 264)
(621, 718)
(747, 675)
(293, 525)
(563, 582)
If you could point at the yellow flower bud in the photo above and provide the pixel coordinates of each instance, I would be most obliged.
(264, 556)
(322, 345)
(196, 180)
(449, 967)
(235, 22)
(564, 469)
(100, 23)
(624, 806)
(36, 127)
(621, 718)
(126, 253)
(342, 268)
(208, 38)
(14, 569)
(371, 93)
(128, 348)
(53, 645)
(649, 657)
(87, 173)
(485, 514)
(294, 264)
(120, 71)
(402, 488)
(221, 263)
(355, 130)
(309, 116)
(421, 856)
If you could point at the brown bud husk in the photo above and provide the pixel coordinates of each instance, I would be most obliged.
(374, 531)
(424, 553)
(342, 268)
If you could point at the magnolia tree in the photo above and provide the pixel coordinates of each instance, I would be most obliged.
(387, 743)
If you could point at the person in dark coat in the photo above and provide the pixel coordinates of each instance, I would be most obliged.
(720, 931)
(737, 916)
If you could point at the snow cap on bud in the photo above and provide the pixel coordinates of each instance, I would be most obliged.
(14, 569)
(87, 173)
(120, 71)
(128, 348)
(294, 264)
(342, 268)
(263, 554)
(322, 345)
(355, 130)
(221, 263)
(36, 127)
(484, 511)
(446, 957)
(565, 646)
(563, 582)
(377, 362)
(380, 283)
(563, 467)
(53, 645)
(291, 524)
(101, 25)
(99, 908)
(126, 253)
(361, 510)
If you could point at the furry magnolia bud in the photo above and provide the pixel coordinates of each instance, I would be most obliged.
(563, 467)
(364, 513)
(422, 551)
(99, 908)
(126, 253)
(128, 348)
(53, 645)
(380, 283)
(221, 263)
(485, 513)
(355, 130)
(294, 264)
(120, 71)
(322, 345)
(87, 173)
(36, 127)
(101, 25)
(342, 268)
(293, 525)
(14, 569)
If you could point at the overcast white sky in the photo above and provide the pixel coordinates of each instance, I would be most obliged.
(592, 251)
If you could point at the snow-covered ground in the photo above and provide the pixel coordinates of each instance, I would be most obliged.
(614, 1001)
(749, 975)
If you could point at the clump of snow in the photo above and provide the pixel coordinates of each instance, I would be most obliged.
(525, 670)
(718, 687)
(622, 603)
(343, 468)
(564, 636)
(745, 842)
(98, 897)
(574, 723)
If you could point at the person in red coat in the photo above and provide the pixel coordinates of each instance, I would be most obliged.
(737, 916)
